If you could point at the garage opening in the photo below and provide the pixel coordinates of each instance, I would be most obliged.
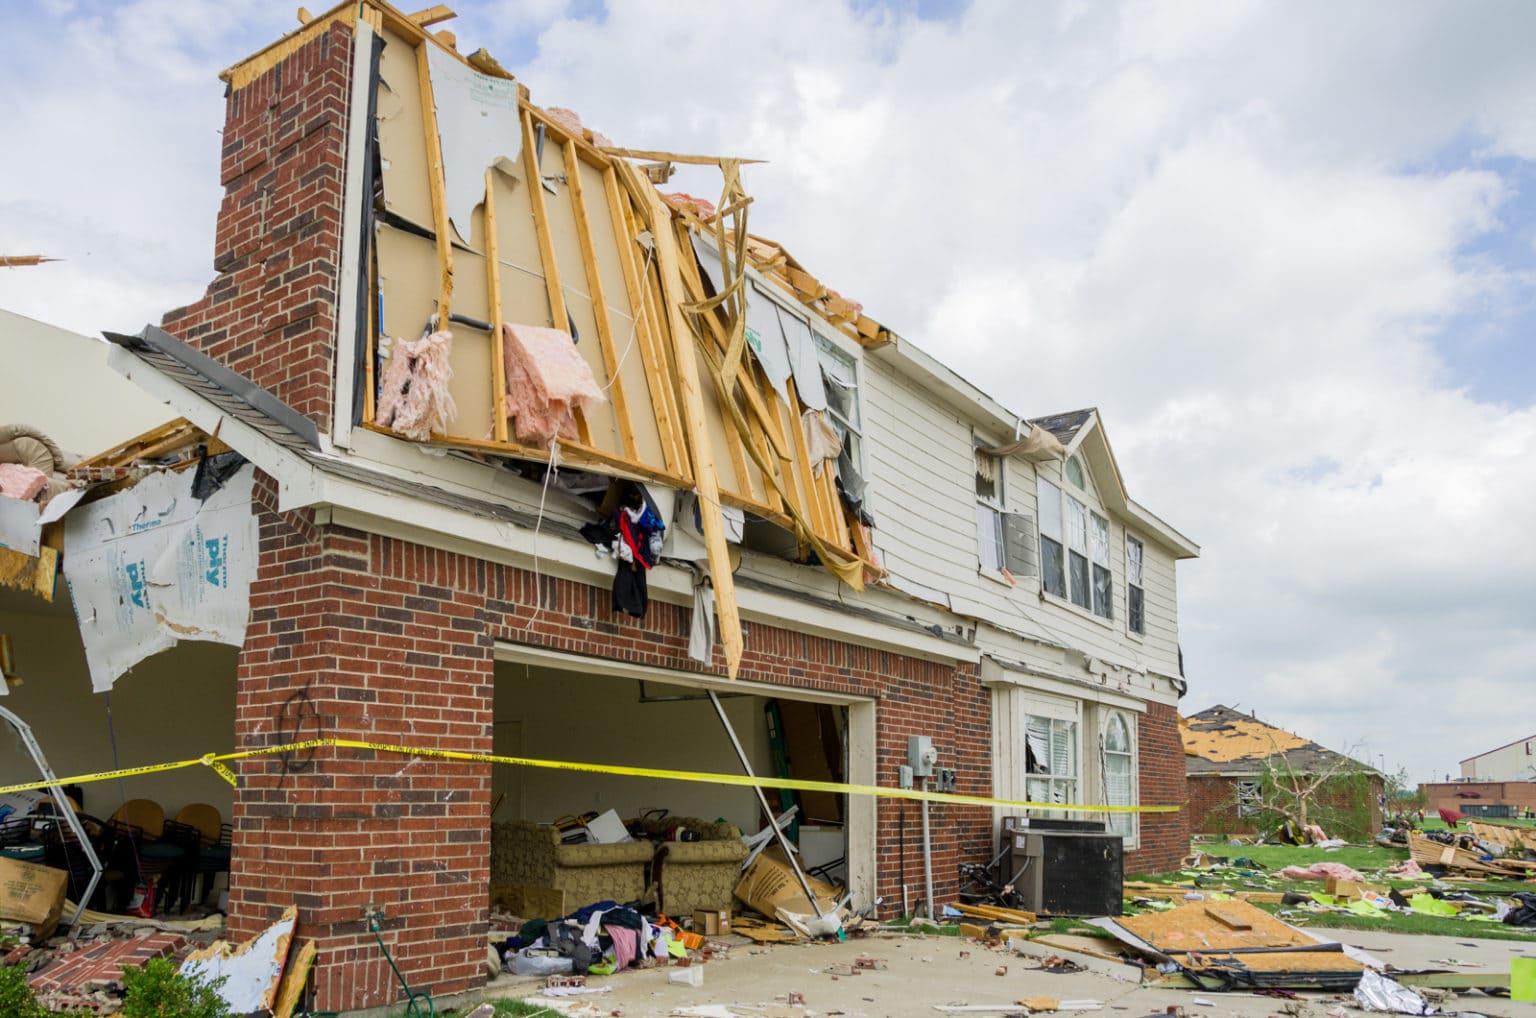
(688, 836)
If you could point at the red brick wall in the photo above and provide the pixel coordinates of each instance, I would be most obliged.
(1164, 836)
(270, 311)
(1458, 795)
(363, 637)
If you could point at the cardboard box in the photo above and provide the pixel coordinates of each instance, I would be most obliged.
(711, 922)
(33, 895)
(769, 884)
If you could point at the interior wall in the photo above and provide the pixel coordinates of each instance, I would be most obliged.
(176, 705)
(560, 715)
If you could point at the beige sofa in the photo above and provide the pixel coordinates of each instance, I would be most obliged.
(529, 855)
(697, 874)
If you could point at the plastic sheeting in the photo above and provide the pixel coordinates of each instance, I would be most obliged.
(153, 565)
(1378, 993)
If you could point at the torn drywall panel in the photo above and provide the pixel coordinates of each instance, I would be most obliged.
(478, 127)
(153, 564)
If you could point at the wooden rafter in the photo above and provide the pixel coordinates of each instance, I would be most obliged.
(589, 265)
(435, 184)
(493, 293)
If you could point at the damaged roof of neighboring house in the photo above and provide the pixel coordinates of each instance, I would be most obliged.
(1220, 740)
(1065, 426)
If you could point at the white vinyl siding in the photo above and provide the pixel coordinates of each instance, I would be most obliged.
(920, 461)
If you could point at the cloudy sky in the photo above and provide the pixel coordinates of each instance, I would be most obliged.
(1288, 249)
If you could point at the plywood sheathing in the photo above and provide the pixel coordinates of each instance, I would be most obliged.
(1202, 935)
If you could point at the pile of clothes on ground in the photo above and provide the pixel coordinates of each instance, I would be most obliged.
(599, 939)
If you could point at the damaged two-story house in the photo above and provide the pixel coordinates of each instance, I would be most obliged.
(478, 359)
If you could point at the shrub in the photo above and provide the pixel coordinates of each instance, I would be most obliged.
(159, 991)
(16, 999)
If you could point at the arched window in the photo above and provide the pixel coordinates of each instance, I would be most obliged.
(1119, 774)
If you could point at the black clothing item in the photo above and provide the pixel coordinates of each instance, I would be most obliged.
(630, 594)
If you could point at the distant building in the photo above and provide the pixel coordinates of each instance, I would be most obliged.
(1227, 755)
(1514, 761)
(1491, 799)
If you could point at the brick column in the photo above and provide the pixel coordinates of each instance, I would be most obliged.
(270, 313)
(1164, 836)
(347, 643)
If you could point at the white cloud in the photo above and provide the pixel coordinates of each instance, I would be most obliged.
(1237, 229)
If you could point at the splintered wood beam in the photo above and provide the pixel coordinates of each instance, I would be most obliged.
(436, 187)
(672, 157)
(558, 318)
(705, 479)
(493, 290)
(655, 368)
(694, 281)
(431, 15)
(599, 301)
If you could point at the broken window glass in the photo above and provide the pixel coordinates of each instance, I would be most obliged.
(989, 536)
(1103, 585)
(1051, 755)
(1053, 571)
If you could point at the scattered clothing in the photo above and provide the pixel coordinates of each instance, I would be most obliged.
(414, 400)
(701, 631)
(1321, 871)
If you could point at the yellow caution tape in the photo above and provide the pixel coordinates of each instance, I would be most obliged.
(216, 761)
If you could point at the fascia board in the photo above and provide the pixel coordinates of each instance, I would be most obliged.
(1181, 546)
(912, 362)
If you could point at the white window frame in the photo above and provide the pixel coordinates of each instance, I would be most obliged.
(989, 517)
(1127, 825)
(1135, 581)
(1060, 788)
(1078, 593)
(834, 360)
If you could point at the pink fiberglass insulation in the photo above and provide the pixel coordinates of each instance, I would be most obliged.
(413, 397)
(1321, 871)
(20, 481)
(547, 379)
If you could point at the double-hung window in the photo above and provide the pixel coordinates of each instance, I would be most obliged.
(989, 511)
(840, 375)
(1074, 551)
(1050, 759)
(1135, 593)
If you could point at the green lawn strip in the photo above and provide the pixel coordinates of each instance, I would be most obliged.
(1364, 858)
(1406, 922)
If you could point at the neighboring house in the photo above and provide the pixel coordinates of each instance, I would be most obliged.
(1514, 761)
(1012, 601)
(1229, 757)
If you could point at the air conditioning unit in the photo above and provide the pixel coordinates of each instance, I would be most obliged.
(1067, 872)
